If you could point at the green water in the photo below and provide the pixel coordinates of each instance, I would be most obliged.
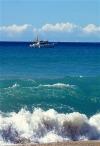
(69, 94)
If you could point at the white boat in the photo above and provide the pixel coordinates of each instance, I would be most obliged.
(39, 43)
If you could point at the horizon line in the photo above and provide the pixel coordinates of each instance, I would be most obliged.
(53, 41)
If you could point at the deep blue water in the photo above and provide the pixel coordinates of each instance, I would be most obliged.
(37, 84)
(65, 59)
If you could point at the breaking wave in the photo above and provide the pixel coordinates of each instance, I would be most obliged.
(15, 85)
(48, 126)
(58, 85)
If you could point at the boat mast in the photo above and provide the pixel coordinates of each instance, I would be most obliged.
(37, 39)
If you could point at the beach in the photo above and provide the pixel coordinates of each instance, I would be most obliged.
(77, 143)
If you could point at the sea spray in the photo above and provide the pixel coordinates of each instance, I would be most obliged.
(42, 126)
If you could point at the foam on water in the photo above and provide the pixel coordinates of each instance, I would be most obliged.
(15, 85)
(47, 126)
(58, 85)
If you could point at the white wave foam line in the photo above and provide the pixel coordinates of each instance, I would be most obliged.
(58, 85)
(48, 126)
(15, 85)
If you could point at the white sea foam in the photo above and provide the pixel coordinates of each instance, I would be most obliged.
(47, 126)
(58, 85)
(14, 86)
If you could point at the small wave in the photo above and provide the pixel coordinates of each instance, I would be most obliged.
(58, 85)
(48, 126)
(14, 85)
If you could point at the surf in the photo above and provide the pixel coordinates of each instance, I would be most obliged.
(41, 126)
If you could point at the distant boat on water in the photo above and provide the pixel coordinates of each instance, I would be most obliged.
(41, 43)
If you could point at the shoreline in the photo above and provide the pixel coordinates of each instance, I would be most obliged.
(69, 143)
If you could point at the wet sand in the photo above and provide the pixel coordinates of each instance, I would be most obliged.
(78, 143)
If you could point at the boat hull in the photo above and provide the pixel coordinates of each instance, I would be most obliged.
(42, 45)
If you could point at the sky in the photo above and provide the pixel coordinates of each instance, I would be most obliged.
(55, 20)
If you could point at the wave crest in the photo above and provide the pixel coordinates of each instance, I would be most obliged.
(58, 85)
(48, 126)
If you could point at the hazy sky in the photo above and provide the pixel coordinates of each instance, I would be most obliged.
(58, 20)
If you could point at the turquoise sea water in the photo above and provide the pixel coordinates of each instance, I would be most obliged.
(46, 83)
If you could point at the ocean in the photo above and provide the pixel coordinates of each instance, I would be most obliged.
(49, 94)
